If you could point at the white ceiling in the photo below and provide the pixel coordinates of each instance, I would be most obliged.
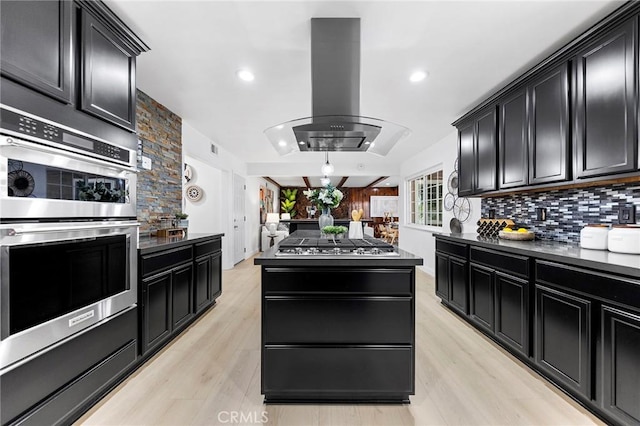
(469, 48)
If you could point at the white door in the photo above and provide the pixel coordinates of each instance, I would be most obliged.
(239, 218)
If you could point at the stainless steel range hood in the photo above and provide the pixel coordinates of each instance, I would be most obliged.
(336, 124)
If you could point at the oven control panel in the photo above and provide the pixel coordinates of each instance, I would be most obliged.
(28, 126)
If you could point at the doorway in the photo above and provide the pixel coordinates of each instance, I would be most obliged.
(239, 218)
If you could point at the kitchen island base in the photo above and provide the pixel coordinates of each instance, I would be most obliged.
(338, 329)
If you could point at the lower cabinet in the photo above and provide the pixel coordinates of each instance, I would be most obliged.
(338, 334)
(578, 328)
(176, 285)
(563, 338)
(452, 275)
(621, 364)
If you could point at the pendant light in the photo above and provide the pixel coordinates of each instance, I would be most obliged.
(327, 167)
(324, 181)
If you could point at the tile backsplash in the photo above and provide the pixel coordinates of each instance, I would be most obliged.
(568, 210)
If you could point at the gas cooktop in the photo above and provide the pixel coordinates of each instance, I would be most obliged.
(340, 246)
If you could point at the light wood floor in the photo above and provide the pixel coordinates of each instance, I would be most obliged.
(212, 373)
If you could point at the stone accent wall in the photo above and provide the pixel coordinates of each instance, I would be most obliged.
(159, 138)
(568, 210)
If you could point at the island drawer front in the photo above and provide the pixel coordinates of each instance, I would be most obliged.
(450, 247)
(510, 263)
(359, 370)
(324, 320)
(383, 282)
(164, 260)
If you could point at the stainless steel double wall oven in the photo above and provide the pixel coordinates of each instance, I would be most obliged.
(68, 233)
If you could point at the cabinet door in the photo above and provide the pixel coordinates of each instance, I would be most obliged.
(621, 365)
(182, 296)
(512, 311)
(458, 284)
(442, 277)
(156, 315)
(513, 141)
(466, 161)
(36, 45)
(549, 127)
(108, 75)
(486, 152)
(216, 275)
(202, 283)
(563, 338)
(606, 83)
(481, 296)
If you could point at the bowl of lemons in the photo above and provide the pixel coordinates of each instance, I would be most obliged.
(520, 234)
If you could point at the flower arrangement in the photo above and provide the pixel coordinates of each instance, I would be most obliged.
(327, 197)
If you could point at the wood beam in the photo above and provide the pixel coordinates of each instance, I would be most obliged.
(342, 181)
(268, 179)
(377, 181)
(306, 181)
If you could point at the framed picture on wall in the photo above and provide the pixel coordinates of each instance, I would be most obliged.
(380, 204)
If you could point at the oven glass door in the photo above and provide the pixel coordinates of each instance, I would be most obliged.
(47, 281)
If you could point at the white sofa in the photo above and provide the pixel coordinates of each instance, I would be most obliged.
(266, 239)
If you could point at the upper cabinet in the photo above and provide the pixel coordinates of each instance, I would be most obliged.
(549, 127)
(36, 45)
(108, 74)
(605, 134)
(41, 40)
(477, 148)
(571, 119)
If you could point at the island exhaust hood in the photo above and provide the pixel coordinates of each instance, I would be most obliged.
(335, 124)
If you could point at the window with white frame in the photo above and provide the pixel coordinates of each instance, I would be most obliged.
(425, 199)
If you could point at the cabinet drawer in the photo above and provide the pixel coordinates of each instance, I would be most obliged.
(608, 287)
(164, 260)
(348, 372)
(517, 265)
(208, 247)
(380, 320)
(347, 281)
(450, 247)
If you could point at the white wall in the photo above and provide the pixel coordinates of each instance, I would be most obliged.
(213, 172)
(420, 240)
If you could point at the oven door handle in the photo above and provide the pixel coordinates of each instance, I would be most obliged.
(20, 143)
(19, 231)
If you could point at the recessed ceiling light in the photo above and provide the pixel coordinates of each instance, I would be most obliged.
(245, 75)
(282, 143)
(387, 183)
(301, 143)
(367, 143)
(417, 76)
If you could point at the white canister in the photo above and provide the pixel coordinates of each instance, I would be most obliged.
(594, 237)
(625, 239)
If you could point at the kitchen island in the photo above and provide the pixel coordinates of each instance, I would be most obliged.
(338, 324)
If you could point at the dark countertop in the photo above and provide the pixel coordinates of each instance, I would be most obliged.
(568, 253)
(268, 258)
(148, 245)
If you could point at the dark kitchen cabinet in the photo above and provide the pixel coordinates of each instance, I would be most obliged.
(512, 311)
(156, 310)
(108, 69)
(620, 366)
(176, 284)
(606, 85)
(452, 275)
(549, 127)
(513, 142)
(563, 343)
(466, 160)
(477, 152)
(181, 296)
(208, 282)
(347, 334)
(36, 45)
(481, 296)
